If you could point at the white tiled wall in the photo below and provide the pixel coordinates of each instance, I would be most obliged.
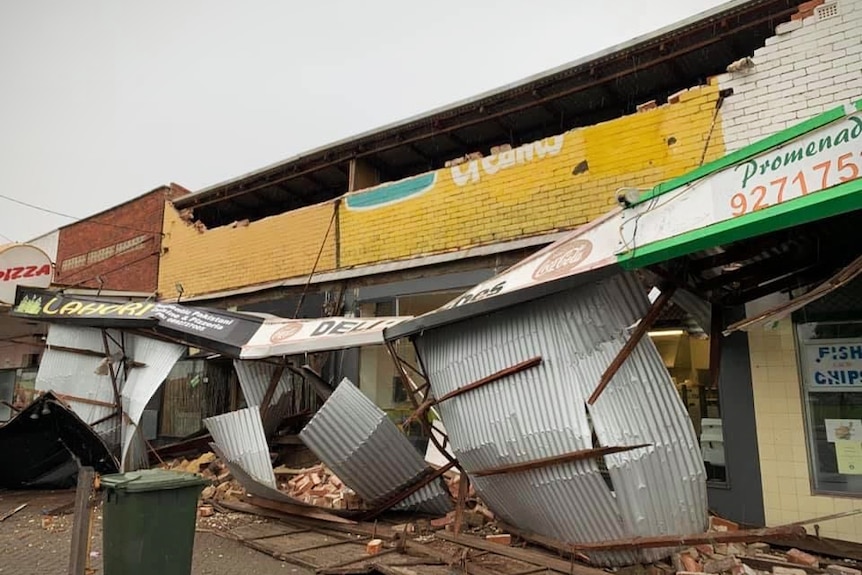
(784, 469)
(808, 67)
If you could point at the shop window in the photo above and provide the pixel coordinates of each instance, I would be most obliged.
(378, 377)
(7, 394)
(194, 390)
(831, 362)
(687, 360)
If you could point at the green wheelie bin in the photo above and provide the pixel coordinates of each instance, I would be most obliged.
(148, 522)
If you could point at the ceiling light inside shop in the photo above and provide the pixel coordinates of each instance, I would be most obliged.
(666, 333)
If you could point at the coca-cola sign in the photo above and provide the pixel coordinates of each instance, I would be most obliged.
(287, 331)
(563, 260)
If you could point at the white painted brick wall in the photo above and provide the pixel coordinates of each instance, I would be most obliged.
(808, 67)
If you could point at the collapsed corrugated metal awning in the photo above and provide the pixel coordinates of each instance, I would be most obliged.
(517, 436)
(369, 454)
(107, 378)
(45, 444)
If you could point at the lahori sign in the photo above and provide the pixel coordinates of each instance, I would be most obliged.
(208, 328)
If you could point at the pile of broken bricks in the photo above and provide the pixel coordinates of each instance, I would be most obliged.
(223, 487)
(315, 485)
(751, 559)
(756, 558)
(318, 486)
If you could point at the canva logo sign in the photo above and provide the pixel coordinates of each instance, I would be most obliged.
(23, 265)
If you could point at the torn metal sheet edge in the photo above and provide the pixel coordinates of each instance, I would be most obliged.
(46, 442)
(356, 439)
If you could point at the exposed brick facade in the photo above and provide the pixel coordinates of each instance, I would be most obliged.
(120, 246)
(543, 187)
(811, 65)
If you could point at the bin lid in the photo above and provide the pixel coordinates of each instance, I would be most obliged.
(152, 480)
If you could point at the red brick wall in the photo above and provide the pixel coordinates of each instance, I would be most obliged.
(120, 245)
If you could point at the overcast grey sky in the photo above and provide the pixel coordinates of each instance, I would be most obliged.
(103, 100)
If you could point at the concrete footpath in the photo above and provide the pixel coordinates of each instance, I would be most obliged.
(37, 540)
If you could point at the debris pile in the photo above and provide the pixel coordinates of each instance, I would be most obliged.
(318, 486)
(751, 558)
(223, 488)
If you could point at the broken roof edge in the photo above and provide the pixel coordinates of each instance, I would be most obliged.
(455, 314)
(382, 267)
(770, 142)
(717, 13)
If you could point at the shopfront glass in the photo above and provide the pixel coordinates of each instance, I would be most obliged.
(686, 357)
(378, 377)
(830, 355)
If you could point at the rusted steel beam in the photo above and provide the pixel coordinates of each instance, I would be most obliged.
(88, 401)
(496, 376)
(299, 510)
(463, 487)
(558, 459)
(87, 352)
(643, 326)
(270, 389)
(740, 536)
(517, 368)
(104, 419)
(114, 383)
(420, 482)
(527, 555)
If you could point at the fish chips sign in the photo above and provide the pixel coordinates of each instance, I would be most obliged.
(23, 265)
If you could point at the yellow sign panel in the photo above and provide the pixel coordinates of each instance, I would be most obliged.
(849, 456)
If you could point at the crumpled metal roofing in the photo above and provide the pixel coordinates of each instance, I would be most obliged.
(541, 412)
(74, 375)
(368, 453)
(254, 378)
(239, 436)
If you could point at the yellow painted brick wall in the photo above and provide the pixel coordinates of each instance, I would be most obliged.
(781, 440)
(228, 257)
(432, 213)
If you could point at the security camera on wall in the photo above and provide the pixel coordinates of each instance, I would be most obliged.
(627, 197)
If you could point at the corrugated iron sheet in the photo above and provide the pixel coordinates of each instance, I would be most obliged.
(75, 375)
(542, 412)
(239, 435)
(254, 378)
(251, 484)
(368, 453)
(141, 384)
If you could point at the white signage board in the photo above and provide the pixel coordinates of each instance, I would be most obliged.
(818, 160)
(277, 337)
(832, 365)
(589, 247)
(23, 265)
